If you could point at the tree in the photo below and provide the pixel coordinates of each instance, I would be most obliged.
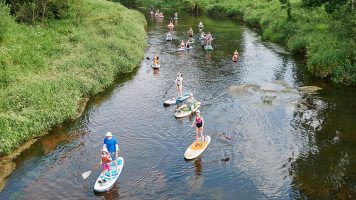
(286, 5)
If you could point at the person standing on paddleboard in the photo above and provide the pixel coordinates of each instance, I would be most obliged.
(190, 32)
(111, 144)
(200, 124)
(179, 81)
(190, 103)
(236, 54)
(209, 38)
(105, 160)
(151, 8)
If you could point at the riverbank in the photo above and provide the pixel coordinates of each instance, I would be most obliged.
(326, 39)
(47, 72)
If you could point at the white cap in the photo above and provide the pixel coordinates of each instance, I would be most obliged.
(198, 111)
(108, 134)
(105, 149)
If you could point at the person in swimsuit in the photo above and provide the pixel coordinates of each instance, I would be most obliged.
(157, 12)
(200, 124)
(236, 54)
(175, 15)
(190, 31)
(179, 81)
(106, 160)
(182, 44)
(190, 103)
(209, 38)
(188, 44)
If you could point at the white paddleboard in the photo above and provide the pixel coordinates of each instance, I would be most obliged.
(103, 187)
(194, 151)
(174, 100)
(158, 66)
(184, 113)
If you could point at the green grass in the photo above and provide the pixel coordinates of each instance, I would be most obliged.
(45, 72)
(327, 40)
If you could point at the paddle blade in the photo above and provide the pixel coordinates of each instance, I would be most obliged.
(86, 174)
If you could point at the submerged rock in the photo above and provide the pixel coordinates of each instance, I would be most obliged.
(309, 89)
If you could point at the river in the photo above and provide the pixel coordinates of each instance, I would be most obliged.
(285, 144)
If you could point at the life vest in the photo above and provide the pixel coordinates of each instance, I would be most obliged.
(182, 45)
(105, 159)
(190, 32)
(156, 61)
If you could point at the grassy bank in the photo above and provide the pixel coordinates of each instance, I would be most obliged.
(45, 72)
(328, 40)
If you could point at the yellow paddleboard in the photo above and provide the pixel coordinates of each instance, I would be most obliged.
(194, 151)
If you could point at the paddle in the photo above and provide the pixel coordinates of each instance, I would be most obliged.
(86, 174)
(168, 89)
(216, 134)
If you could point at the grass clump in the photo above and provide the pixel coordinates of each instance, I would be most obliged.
(45, 72)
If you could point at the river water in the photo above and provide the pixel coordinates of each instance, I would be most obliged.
(284, 145)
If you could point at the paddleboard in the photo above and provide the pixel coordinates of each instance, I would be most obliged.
(209, 48)
(199, 38)
(194, 151)
(158, 66)
(186, 111)
(192, 41)
(176, 100)
(184, 48)
(107, 185)
(151, 12)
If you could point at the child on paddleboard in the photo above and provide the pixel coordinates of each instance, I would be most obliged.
(200, 124)
(182, 44)
(236, 55)
(179, 85)
(105, 160)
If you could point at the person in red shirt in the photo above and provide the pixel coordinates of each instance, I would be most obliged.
(106, 160)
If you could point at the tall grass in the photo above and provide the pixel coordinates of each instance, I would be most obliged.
(45, 72)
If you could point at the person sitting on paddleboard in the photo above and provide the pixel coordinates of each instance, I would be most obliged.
(105, 160)
(190, 103)
(111, 144)
(151, 8)
(202, 35)
(200, 124)
(179, 81)
(236, 54)
(190, 31)
(182, 44)
(188, 44)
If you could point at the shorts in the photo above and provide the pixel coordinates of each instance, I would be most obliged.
(112, 154)
(106, 166)
(199, 125)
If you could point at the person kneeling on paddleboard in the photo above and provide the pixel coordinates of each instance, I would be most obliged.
(111, 144)
(190, 103)
(182, 44)
(105, 160)
(200, 124)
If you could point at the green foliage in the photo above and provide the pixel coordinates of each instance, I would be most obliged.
(330, 5)
(286, 5)
(45, 72)
(4, 18)
(346, 75)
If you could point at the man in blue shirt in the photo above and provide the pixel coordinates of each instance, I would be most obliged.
(151, 8)
(111, 144)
